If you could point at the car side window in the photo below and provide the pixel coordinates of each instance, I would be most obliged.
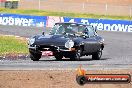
(61, 29)
(91, 31)
(86, 32)
(81, 28)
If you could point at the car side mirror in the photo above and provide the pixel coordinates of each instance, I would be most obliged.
(43, 33)
(96, 30)
(85, 36)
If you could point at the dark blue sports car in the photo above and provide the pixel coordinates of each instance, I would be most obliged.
(69, 40)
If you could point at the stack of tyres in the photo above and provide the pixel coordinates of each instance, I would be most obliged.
(14, 4)
(2, 3)
(11, 4)
(8, 4)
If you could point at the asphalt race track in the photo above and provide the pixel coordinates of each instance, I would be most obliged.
(117, 53)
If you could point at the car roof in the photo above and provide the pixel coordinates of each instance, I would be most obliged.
(72, 23)
(65, 23)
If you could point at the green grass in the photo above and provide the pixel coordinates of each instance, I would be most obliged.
(64, 14)
(12, 45)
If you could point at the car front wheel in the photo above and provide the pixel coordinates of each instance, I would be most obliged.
(58, 57)
(35, 56)
(97, 55)
(76, 55)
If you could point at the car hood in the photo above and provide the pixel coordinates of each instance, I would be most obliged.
(57, 40)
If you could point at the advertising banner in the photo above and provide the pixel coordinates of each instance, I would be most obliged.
(49, 21)
(2, 0)
(23, 20)
(12, 0)
(104, 24)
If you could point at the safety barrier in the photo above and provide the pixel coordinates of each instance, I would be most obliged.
(48, 21)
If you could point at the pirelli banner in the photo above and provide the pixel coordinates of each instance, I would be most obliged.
(48, 21)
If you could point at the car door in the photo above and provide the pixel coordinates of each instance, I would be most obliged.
(91, 43)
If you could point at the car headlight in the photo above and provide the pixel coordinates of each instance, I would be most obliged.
(31, 41)
(69, 44)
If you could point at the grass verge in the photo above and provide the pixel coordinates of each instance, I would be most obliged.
(12, 45)
(64, 14)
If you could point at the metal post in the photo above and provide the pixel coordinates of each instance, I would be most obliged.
(130, 11)
(106, 9)
(83, 5)
(39, 4)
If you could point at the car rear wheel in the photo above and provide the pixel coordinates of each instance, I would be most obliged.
(35, 56)
(76, 55)
(58, 57)
(97, 55)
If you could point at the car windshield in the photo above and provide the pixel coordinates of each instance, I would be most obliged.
(64, 28)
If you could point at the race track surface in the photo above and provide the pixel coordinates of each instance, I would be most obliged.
(117, 53)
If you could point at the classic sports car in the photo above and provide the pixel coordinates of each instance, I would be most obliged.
(69, 40)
